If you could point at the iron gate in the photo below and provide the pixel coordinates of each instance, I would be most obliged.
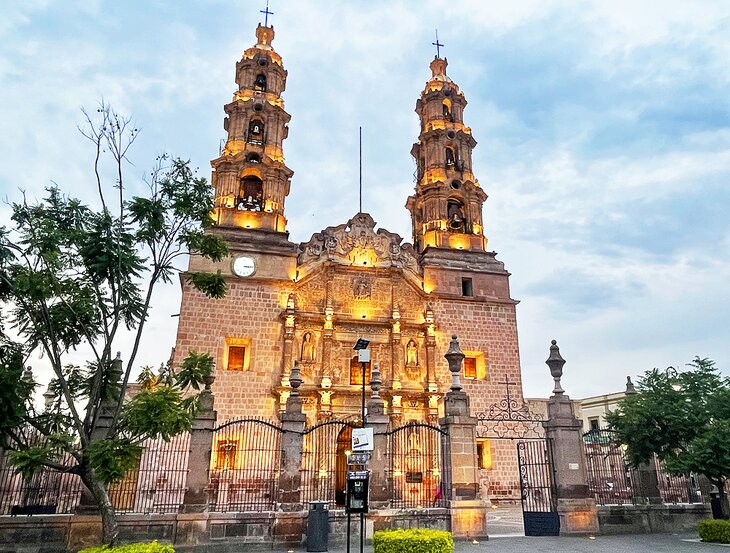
(324, 462)
(245, 466)
(537, 489)
(416, 453)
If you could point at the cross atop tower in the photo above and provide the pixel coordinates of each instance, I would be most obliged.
(437, 44)
(267, 13)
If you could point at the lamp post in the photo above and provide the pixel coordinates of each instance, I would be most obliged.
(363, 355)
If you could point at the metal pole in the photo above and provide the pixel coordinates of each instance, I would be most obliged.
(362, 533)
(362, 415)
(348, 532)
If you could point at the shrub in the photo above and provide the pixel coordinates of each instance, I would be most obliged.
(151, 547)
(416, 540)
(717, 531)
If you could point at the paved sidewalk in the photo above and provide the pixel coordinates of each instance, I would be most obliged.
(635, 543)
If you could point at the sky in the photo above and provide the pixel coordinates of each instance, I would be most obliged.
(603, 134)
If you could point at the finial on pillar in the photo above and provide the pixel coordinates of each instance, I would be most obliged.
(49, 398)
(295, 379)
(455, 358)
(630, 390)
(556, 362)
(375, 381)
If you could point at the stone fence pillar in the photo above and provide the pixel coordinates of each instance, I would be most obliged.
(293, 421)
(468, 513)
(577, 510)
(201, 447)
(378, 421)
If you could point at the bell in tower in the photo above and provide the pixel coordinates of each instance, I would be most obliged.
(250, 177)
(446, 209)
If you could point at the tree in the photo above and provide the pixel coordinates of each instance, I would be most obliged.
(681, 417)
(74, 278)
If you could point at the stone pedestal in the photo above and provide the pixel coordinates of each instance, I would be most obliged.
(577, 510)
(201, 445)
(293, 422)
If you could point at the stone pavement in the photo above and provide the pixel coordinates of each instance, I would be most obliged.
(645, 543)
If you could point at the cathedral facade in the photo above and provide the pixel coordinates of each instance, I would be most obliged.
(309, 303)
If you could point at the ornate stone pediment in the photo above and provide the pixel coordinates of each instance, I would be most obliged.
(356, 243)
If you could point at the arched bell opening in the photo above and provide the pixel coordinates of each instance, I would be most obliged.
(455, 215)
(250, 194)
(256, 131)
(260, 83)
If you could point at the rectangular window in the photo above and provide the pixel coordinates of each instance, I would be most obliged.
(356, 372)
(470, 367)
(594, 423)
(236, 358)
(226, 457)
(466, 287)
(475, 365)
(484, 453)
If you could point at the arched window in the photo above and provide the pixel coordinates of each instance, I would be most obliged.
(253, 157)
(260, 83)
(250, 194)
(256, 131)
(450, 159)
(455, 214)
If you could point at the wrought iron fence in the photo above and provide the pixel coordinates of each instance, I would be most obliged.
(324, 462)
(48, 491)
(157, 483)
(416, 453)
(245, 464)
(613, 481)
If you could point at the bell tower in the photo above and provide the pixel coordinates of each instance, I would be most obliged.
(250, 177)
(446, 209)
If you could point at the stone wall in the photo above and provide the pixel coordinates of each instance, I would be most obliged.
(651, 519)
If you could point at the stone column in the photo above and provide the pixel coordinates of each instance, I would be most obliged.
(577, 510)
(461, 481)
(201, 445)
(378, 421)
(293, 421)
(429, 327)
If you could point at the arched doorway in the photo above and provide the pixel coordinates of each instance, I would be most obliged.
(344, 445)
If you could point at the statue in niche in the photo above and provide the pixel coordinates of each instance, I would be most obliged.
(411, 353)
(308, 348)
(361, 289)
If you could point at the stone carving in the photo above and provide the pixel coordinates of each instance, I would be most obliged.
(411, 353)
(309, 350)
(357, 243)
(361, 288)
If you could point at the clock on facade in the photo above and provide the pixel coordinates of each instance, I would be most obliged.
(244, 266)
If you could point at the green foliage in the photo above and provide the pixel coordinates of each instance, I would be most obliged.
(15, 392)
(160, 412)
(113, 457)
(416, 540)
(715, 531)
(72, 278)
(152, 547)
(195, 368)
(682, 417)
(212, 285)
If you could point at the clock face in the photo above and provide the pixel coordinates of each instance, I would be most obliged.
(244, 266)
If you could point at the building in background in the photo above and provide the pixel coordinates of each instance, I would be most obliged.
(308, 303)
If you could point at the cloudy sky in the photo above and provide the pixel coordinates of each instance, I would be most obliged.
(603, 130)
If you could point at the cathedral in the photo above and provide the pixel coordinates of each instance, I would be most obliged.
(308, 303)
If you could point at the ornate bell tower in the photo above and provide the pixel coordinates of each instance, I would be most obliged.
(250, 178)
(446, 209)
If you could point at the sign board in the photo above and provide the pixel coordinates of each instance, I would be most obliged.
(573, 466)
(362, 439)
(363, 355)
(359, 458)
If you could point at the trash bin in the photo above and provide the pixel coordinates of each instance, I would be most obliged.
(317, 526)
(715, 503)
